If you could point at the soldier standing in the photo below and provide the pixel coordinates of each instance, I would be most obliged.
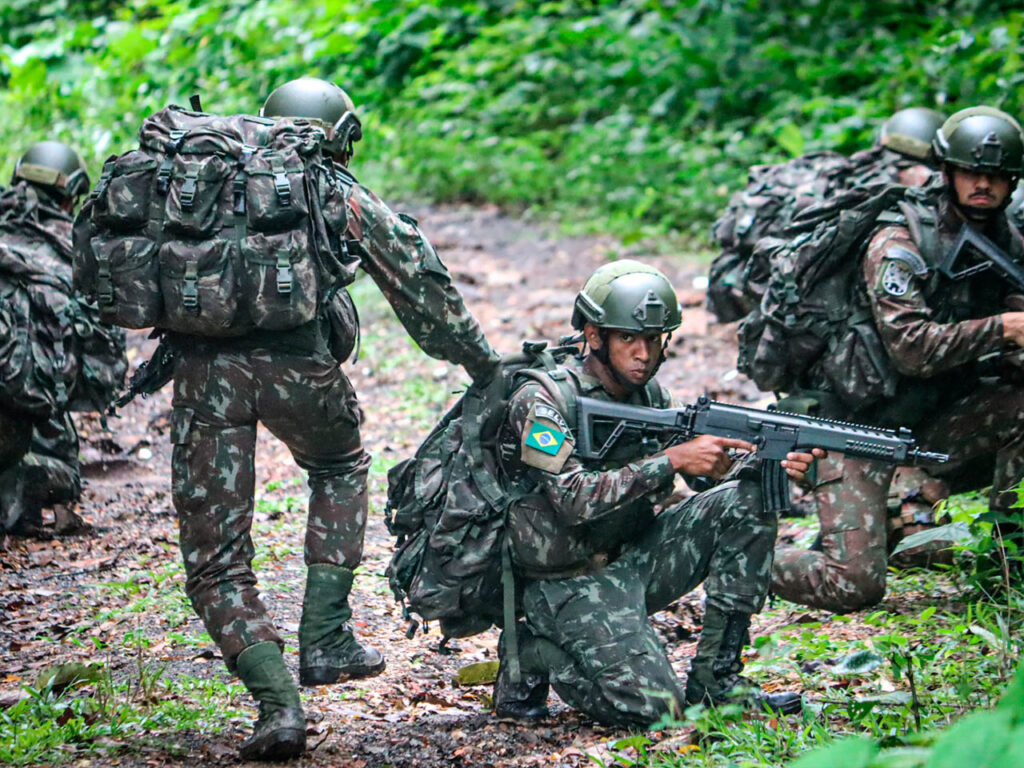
(593, 555)
(43, 326)
(934, 330)
(289, 381)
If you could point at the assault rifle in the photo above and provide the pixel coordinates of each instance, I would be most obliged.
(973, 253)
(775, 433)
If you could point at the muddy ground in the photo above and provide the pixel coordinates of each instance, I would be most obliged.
(520, 279)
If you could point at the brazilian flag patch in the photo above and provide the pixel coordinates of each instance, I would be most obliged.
(545, 439)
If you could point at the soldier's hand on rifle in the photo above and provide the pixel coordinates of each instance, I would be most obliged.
(798, 463)
(706, 455)
(1013, 327)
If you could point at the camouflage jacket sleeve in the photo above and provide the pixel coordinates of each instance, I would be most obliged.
(417, 285)
(581, 495)
(917, 343)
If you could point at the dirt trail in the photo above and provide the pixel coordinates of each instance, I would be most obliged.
(520, 281)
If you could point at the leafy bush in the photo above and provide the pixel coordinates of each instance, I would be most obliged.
(990, 739)
(625, 114)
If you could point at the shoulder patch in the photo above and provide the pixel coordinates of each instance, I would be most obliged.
(913, 260)
(547, 442)
(896, 277)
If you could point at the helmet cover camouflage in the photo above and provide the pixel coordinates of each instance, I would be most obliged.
(629, 296)
(911, 131)
(321, 101)
(981, 139)
(55, 166)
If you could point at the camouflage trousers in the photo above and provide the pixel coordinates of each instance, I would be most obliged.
(984, 435)
(47, 473)
(591, 632)
(309, 404)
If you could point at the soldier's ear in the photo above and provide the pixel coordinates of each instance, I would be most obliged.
(593, 336)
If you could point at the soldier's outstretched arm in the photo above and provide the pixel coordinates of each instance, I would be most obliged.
(417, 285)
(917, 343)
(546, 449)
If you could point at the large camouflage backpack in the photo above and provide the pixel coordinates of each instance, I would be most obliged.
(447, 504)
(773, 196)
(54, 353)
(815, 312)
(215, 226)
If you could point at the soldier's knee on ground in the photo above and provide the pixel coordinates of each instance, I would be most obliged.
(854, 591)
(630, 690)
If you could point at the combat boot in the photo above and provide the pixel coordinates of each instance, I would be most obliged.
(715, 678)
(280, 731)
(328, 651)
(526, 701)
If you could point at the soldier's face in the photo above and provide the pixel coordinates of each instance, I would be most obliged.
(986, 191)
(635, 355)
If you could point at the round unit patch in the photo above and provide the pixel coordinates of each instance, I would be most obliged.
(896, 278)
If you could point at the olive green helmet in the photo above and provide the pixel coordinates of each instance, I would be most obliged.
(911, 131)
(629, 296)
(982, 139)
(323, 102)
(54, 166)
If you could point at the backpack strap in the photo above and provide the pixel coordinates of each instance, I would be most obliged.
(923, 224)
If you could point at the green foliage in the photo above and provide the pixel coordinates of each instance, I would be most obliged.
(991, 739)
(633, 115)
(109, 717)
(889, 687)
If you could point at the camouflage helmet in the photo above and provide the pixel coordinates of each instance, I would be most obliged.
(323, 102)
(911, 131)
(982, 139)
(629, 296)
(54, 166)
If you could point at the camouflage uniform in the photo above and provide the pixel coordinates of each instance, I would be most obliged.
(595, 558)
(289, 381)
(934, 332)
(47, 471)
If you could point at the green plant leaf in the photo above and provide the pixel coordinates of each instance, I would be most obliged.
(66, 675)
(790, 139)
(482, 673)
(900, 757)
(1013, 698)
(940, 536)
(975, 741)
(860, 663)
(850, 753)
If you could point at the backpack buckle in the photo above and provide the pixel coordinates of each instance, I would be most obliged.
(188, 189)
(283, 189)
(238, 185)
(104, 285)
(190, 287)
(238, 195)
(163, 176)
(284, 272)
(281, 185)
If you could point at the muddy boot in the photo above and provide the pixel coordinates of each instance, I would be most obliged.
(280, 731)
(525, 701)
(328, 651)
(715, 671)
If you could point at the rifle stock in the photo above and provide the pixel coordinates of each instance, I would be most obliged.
(993, 258)
(775, 433)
